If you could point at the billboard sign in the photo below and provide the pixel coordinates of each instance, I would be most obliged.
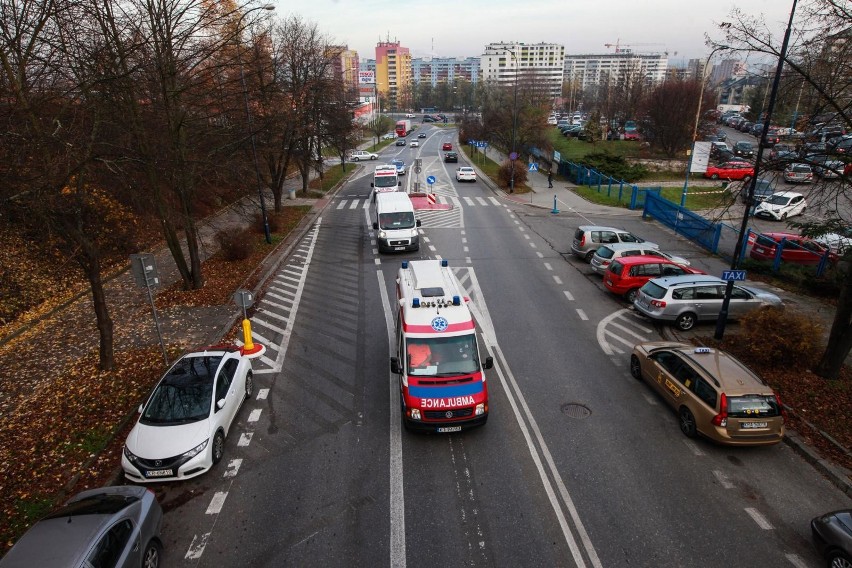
(366, 77)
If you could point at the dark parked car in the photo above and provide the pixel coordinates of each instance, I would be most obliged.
(745, 126)
(832, 537)
(840, 145)
(744, 149)
(116, 526)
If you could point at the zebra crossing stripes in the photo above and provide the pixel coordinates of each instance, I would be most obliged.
(620, 331)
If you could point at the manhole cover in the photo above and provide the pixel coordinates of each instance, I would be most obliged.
(575, 410)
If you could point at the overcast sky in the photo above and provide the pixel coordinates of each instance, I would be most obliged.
(461, 28)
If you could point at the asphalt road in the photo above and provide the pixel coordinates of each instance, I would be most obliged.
(578, 465)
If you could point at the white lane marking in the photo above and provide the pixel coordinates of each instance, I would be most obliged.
(582, 315)
(233, 468)
(796, 560)
(629, 331)
(493, 200)
(464, 241)
(521, 229)
(255, 415)
(568, 295)
(722, 478)
(532, 244)
(216, 503)
(517, 222)
(627, 343)
(426, 239)
(526, 236)
(507, 379)
(539, 254)
(341, 204)
(462, 232)
(758, 518)
(432, 248)
(469, 201)
(260, 322)
(366, 204)
(397, 495)
(354, 204)
(376, 261)
(438, 257)
(262, 394)
(601, 331)
(692, 447)
(245, 439)
(557, 279)
(468, 260)
(547, 266)
(196, 547)
(482, 201)
(465, 249)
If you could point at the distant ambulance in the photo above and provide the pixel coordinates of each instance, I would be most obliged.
(385, 178)
(442, 386)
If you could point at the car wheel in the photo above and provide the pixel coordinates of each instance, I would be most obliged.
(218, 446)
(152, 555)
(373, 157)
(589, 255)
(837, 559)
(687, 422)
(249, 385)
(631, 295)
(714, 176)
(685, 321)
(356, 159)
(635, 367)
(783, 216)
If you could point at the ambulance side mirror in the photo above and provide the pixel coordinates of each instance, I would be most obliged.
(399, 184)
(371, 184)
(395, 365)
(419, 223)
(489, 362)
(376, 226)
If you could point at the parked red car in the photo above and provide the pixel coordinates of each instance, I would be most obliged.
(625, 275)
(731, 170)
(797, 249)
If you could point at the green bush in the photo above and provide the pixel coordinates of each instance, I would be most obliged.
(614, 166)
(798, 277)
(773, 337)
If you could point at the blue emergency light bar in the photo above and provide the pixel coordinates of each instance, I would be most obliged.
(445, 263)
(456, 301)
(415, 303)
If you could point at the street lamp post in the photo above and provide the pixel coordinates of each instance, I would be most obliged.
(266, 231)
(697, 120)
(726, 301)
(512, 155)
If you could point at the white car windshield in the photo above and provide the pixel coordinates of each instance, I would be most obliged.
(442, 356)
(185, 394)
(778, 200)
(400, 220)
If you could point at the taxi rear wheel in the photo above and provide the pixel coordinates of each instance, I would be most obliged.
(687, 422)
(635, 367)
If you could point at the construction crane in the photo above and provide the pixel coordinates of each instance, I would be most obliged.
(624, 47)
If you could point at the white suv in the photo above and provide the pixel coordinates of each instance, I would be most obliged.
(359, 155)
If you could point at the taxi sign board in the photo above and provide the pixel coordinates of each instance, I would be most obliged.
(735, 275)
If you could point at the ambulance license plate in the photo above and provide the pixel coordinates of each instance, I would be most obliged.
(159, 473)
(450, 429)
(753, 425)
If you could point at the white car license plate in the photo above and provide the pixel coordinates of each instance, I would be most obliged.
(758, 249)
(753, 425)
(398, 248)
(159, 473)
(609, 282)
(450, 429)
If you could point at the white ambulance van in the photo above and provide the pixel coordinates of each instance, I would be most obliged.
(394, 222)
(441, 380)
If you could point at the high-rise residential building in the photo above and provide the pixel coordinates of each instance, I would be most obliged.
(393, 70)
(507, 62)
(344, 62)
(592, 69)
(727, 69)
(436, 70)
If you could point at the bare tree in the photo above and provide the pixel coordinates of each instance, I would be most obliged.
(670, 114)
(820, 53)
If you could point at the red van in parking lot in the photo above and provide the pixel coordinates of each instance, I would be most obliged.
(797, 249)
(624, 276)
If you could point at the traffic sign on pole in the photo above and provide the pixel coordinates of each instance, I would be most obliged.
(735, 275)
(533, 167)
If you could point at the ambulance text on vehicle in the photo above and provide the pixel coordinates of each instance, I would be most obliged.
(386, 178)
(442, 385)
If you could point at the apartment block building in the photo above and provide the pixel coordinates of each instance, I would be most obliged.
(393, 70)
(508, 62)
(436, 70)
(587, 70)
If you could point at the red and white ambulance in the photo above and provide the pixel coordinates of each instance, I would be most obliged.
(442, 386)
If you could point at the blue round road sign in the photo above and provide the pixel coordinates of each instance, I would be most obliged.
(513, 156)
(430, 180)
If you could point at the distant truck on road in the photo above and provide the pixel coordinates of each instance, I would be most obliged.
(733, 108)
(403, 128)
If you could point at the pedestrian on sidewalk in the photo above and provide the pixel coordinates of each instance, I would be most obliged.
(550, 179)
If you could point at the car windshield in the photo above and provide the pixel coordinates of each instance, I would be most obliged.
(744, 145)
(653, 290)
(386, 181)
(442, 356)
(398, 220)
(778, 200)
(605, 252)
(185, 394)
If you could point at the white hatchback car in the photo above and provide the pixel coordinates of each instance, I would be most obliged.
(359, 155)
(465, 173)
(414, 144)
(780, 206)
(182, 427)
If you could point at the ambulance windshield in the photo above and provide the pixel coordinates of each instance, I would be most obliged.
(386, 181)
(400, 220)
(442, 356)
